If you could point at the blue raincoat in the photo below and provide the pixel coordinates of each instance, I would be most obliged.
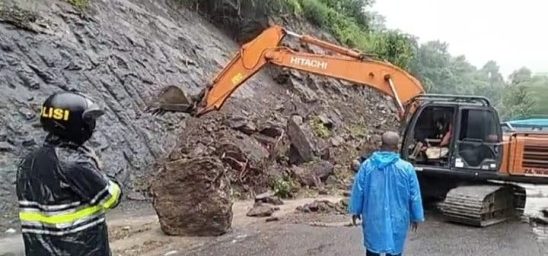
(387, 195)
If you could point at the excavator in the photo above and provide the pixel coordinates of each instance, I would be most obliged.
(476, 171)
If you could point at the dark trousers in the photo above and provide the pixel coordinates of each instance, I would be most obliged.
(369, 253)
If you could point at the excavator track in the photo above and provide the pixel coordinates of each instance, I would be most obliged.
(479, 205)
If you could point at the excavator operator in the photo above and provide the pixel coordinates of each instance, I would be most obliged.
(63, 194)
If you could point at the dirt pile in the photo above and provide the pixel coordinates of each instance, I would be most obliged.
(192, 198)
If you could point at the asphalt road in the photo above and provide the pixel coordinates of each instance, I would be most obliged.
(434, 237)
(292, 236)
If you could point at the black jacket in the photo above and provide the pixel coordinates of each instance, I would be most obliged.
(63, 197)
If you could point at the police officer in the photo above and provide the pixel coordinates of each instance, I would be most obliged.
(63, 195)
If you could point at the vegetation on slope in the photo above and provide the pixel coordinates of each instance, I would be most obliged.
(354, 26)
(518, 96)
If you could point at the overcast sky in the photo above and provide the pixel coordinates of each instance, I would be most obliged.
(513, 33)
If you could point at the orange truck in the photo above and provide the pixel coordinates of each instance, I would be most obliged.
(478, 171)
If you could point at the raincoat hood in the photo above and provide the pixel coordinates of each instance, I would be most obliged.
(382, 159)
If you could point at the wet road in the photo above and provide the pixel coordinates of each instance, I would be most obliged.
(434, 237)
(252, 236)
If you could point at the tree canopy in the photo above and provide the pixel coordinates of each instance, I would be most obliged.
(352, 24)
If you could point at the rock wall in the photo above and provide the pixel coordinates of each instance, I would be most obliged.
(122, 52)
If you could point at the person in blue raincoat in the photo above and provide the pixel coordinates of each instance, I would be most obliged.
(386, 196)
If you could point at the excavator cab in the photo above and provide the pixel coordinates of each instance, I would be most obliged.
(453, 135)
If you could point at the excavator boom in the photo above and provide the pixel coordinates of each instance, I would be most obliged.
(342, 63)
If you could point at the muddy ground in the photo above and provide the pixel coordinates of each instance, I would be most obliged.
(295, 233)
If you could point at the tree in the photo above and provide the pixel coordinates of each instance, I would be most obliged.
(517, 101)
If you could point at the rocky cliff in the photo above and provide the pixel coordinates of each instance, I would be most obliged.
(123, 52)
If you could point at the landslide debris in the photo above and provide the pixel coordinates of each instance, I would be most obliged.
(280, 125)
(192, 198)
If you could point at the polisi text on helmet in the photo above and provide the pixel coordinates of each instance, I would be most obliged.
(55, 113)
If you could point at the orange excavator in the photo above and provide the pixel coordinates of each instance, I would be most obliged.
(474, 172)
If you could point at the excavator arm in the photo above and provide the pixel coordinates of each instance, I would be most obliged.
(345, 64)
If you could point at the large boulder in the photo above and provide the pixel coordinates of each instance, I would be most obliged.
(313, 173)
(192, 198)
(303, 147)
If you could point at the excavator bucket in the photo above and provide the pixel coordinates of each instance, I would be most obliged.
(171, 98)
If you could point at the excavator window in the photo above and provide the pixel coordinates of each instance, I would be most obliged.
(431, 136)
(478, 143)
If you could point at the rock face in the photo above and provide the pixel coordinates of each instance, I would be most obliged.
(123, 52)
(192, 198)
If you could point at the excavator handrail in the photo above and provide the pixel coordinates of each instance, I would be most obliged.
(452, 98)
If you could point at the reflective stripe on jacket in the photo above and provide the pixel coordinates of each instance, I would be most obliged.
(63, 198)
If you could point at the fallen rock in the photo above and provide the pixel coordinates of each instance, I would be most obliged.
(192, 198)
(6, 147)
(322, 206)
(337, 141)
(326, 121)
(268, 198)
(261, 210)
(309, 174)
(242, 124)
(136, 196)
(272, 219)
(301, 138)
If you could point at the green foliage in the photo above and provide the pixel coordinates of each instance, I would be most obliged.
(319, 128)
(295, 7)
(395, 47)
(517, 103)
(350, 24)
(283, 186)
(80, 4)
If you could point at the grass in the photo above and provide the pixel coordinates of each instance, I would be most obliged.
(319, 128)
(79, 4)
(357, 131)
(283, 186)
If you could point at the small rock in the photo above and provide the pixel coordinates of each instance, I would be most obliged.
(309, 173)
(323, 206)
(356, 165)
(268, 198)
(337, 141)
(346, 193)
(28, 142)
(6, 147)
(270, 219)
(273, 132)
(10, 231)
(3, 135)
(27, 113)
(261, 210)
(323, 191)
(136, 196)
(242, 124)
(171, 253)
(298, 120)
(326, 120)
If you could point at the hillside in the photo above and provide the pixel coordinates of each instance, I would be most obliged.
(123, 52)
